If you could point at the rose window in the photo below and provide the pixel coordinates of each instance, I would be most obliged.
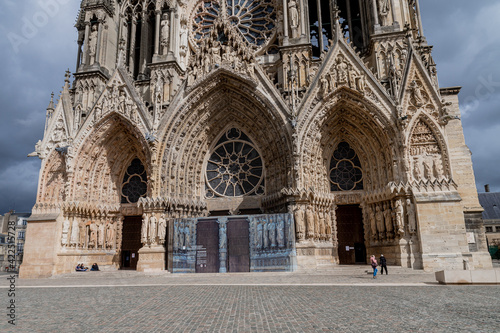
(135, 182)
(255, 19)
(235, 167)
(345, 169)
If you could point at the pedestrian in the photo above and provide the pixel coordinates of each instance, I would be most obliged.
(383, 264)
(374, 264)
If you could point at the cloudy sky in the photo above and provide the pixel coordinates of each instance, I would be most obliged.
(38, 44)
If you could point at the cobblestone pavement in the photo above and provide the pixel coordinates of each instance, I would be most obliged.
(344, 301)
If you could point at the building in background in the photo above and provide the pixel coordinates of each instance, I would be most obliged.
(14, 225)
(214, 136)
(491, 217)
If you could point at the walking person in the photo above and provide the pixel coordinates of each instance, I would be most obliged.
(383, 264)
(374, 264)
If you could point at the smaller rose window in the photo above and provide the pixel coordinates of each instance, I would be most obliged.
(135, 182)
(235, 167)
(345, 169)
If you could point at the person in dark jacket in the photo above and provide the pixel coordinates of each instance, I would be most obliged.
(383, 264)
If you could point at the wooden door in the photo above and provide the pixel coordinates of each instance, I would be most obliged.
(238, 245)
(350, 235)
(131, 241)
(207, 241)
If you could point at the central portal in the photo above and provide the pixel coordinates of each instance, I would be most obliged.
(207, 247)
(350, 234)
(238, 246)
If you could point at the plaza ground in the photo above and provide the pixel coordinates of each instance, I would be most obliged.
(347, 299)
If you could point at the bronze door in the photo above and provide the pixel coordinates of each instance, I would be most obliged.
(131, 241)
(207, 241)
(238, 245)
(350, 235)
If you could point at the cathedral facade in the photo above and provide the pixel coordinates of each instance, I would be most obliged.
(247, 135)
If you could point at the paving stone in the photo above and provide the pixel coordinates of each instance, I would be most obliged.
(259, 302)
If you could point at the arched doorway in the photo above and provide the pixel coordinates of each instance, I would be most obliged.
(134, 186)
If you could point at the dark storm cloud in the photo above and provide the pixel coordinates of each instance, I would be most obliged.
(467, 49)
(38, 43)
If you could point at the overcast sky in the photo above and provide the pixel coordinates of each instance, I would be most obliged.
(38, 44)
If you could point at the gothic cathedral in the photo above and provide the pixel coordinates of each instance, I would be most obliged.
(253, 135)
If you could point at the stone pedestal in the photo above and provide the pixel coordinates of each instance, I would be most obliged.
(151, 259)
(315, 255)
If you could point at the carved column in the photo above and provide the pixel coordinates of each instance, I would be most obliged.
(285, 21)
(132, 45)
(393, 10)
(419, 18)
(172, 32)
(143, 43)
(375, 12)
(222, 244)
(86, 43)
(79, 55)
(99, 38)
(302, 18)
(157, 32)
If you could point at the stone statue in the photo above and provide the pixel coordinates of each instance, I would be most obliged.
(265, 235)
(373, 223)
(162, 228)
(258, 240)
(109, 234)
(418, 172)
(82, 235)
(316, 224)
(65, 230)
(74, 233)
(281, 231)
(121, 102)
(360, 83)
(416, 93)
(328, 224)
(272, 232)
(388, 219)
(165, 33)
(384, 7)
(410, 212)
(223, 236)
(144, 229)
(322, 226)
(93, 235)
(183, 47)
(310, 222)
(324, 86)
(294, 17)
(216, 57)
(93, 44)
(177, 232)
(428, 169)
(438, 166)
(342, 71)
(299, 223)
(101, 235)
(379, 216)
(399, 216)
(152, 228)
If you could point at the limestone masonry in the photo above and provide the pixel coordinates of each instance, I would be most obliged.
(245, 135)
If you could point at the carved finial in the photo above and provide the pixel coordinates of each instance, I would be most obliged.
(51, 104)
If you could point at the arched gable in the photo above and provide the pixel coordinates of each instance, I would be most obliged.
(202, 116)
(103, 157)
